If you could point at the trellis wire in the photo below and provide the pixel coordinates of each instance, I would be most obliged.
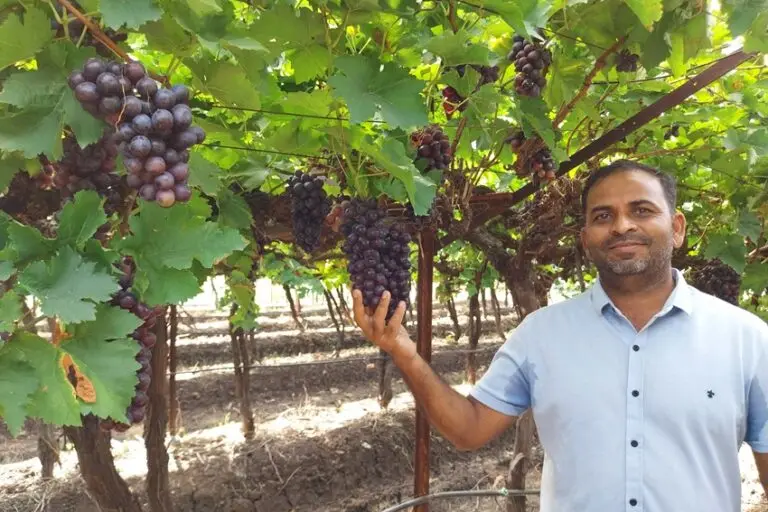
(369, 359)
(462, 494)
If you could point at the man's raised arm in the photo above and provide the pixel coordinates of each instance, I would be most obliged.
(465, 422)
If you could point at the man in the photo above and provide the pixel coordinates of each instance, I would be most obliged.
(642, 388)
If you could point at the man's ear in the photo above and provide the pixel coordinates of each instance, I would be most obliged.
(678, 229)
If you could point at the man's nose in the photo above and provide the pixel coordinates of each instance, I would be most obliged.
(623, 224)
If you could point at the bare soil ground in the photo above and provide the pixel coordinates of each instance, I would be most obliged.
(322, 443)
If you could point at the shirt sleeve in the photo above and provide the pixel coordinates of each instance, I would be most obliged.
(757, 396)
(505, 387)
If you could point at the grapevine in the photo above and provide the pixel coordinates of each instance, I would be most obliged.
(453, 101)
(146, 339)
(531, 63)
(378, 254)
(80, 34)
(718, 279)
(540, 165)
(154, 125)
(310, 206)
(30, 199)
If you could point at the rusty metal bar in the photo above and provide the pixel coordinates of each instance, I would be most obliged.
(649, 113)
(424, 348)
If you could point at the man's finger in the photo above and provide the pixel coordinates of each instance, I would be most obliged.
(397, 318)
(381, 310)
(363, 321)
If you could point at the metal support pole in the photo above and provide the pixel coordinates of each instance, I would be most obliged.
(424, 348)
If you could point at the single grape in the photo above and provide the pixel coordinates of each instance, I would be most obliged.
(147, 192)
(144, 381)
(126, 132)
(75, 79)
(184, 156)
(165, 181)
(147, 108)
(110, 105)
(182, 117)
(126, 87)
(146, 87)
(183, 140)
(92, 69)
(155, 165)
(142, 124)
(181, 92)
(115, 68)
(180, 171)
(162, 120)
(165, 198)
(149, 340)
(171, 156)
(182, 192)
(158, 147)
(165, 99)
(128, 301)
(87, 92)
(200, 133)
(131, 107)
(134, 71)
(107, 84)
(140, 146)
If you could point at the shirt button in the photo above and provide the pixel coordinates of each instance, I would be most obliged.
(635, 392)
(635, 348)
(633, 502)
(634, 444)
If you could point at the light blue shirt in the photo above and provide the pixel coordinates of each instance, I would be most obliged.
(637, 421)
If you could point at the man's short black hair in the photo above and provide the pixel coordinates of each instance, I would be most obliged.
(667, 181)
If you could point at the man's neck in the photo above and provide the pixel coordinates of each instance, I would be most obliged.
(639, 297)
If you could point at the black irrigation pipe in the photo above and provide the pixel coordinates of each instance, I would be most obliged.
(368, 359)
(462, 494)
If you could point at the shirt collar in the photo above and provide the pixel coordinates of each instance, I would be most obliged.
(681, 296)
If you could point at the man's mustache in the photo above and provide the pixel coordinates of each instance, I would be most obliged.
(627, 239)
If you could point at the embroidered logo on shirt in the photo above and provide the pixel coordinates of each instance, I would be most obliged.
(710, 393)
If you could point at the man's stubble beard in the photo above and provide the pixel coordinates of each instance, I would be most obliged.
(655, 263)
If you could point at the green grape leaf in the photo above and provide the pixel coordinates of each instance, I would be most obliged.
(68, 286)
(47, 104)
(10, 310)
(54, 400)
(81, 218)
(391, 157)
(750, 225)
(647, 11)
(28, 243)
(17, 383)
(9, 166)
(234, 212)
(287, 28)
(729, 248)
(204, 7)
(104, 353)
(20, 41)
(133, 14)
(164, 285)
(6, 270)
(173, 237)
(168, 36)
(366, 88)
(226, 82)
(310, 61)
(755, 277)
(453, 49)
(204, 174)
(534, 111)
(756, 38)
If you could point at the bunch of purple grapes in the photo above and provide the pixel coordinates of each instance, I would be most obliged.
(378, 254)
(91, 168)
(146, 339)
(154, 126)
(718, 279)
(311, 206)
(531, 63)
(433, 147)
(626, 62)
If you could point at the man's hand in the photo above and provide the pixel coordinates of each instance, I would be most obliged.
(389, 336)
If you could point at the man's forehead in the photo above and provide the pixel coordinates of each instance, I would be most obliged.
(626, 187)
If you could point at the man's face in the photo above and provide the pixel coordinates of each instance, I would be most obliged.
(629, 228)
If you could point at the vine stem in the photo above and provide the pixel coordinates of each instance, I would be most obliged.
(599, 64)
(105, 39)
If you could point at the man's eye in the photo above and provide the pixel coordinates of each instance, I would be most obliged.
(601, 216)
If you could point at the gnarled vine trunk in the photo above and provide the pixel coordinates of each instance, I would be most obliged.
(173, 330)
(294, 309)
(454, 318)
(497, 314)
(338, 324)
(158, 488)
(47, 449)
(241, 361)
(475, 323)
(97, 467)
